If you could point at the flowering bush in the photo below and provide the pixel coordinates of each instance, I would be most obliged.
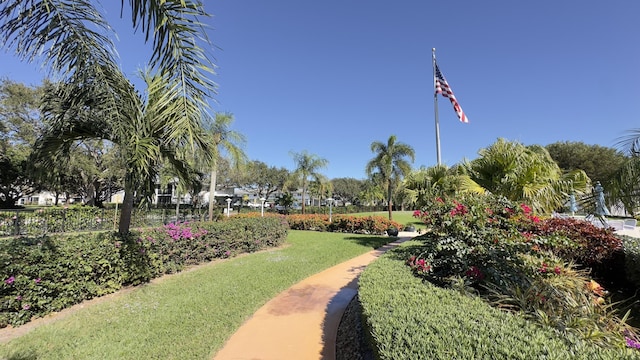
(513, 258)
(45, 274)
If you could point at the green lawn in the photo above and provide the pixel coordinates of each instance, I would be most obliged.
(188, 315)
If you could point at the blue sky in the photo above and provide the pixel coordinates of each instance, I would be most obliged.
(330, 77)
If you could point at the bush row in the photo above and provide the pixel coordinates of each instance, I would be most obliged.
(410, 319)
(375, 225)
(46, 274)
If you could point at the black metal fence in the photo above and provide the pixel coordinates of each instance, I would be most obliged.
(58, 220)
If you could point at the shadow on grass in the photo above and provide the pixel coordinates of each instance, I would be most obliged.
(373, 241)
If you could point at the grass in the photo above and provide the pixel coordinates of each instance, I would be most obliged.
(188, 315)
(403, 217)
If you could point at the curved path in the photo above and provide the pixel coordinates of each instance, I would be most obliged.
(301, 322)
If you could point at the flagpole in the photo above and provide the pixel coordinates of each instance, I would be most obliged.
(435, 105)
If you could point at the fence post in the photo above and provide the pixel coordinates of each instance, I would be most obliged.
(16, 222)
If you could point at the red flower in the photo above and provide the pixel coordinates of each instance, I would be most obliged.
(526, 209)
(475, 273)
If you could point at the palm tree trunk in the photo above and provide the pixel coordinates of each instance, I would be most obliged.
(389, 204)
(212, 188)
(303, 191)
(127, 208)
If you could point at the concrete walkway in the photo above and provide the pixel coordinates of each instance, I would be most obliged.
(301, 323)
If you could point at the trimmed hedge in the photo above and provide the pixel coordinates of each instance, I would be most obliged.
(411, 319)
(376, 225)
(46, 274)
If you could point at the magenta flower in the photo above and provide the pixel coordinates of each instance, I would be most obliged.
(26, 307)
(37, 280)
(10, 280)
(632, 343)
(19, 297)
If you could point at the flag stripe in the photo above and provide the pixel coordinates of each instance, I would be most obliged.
(443, 88)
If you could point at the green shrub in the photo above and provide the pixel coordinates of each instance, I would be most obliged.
(375, 225)
(632, 260)
(45, 274)
(410, 319)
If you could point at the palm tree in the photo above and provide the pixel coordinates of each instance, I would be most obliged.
(223, 139)
(525, 173)
(624, 187)
(424, 185)
(140, 134)
(390, 163)
(74, 41)
(320, 187)
(307, 166)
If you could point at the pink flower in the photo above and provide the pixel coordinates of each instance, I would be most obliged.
(37, 280)
(557, 270)
(10, 280)
(526, 209)
(26, 307)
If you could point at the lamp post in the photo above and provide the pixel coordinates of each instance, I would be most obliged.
(330, 201)
(262, 200)
(228, 206)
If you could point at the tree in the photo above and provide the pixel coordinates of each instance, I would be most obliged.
(390, 163)
(73, 40)
(346, 189)
(307, 166)
(142, 135)
(624, 186)
(598, 162)
(424, 185)
(525, 173)
(19, 125)
(224, 140)
(265, 180)
(320, 187)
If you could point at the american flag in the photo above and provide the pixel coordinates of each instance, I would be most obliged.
(443, 88)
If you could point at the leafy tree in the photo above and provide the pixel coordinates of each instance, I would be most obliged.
(73, 40)
(372, 192)
(598, 162)
(264, 179)
(390, 164)
(20, 123)
(525, 173)
(307, 166)
(346, 189)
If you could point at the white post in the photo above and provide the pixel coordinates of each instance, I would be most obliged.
(228, 206)
(262, 200)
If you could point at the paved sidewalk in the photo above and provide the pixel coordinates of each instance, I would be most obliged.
(301, 322)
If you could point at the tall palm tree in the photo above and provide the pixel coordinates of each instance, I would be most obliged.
(390, 163)
(307, 166)
(224, 140)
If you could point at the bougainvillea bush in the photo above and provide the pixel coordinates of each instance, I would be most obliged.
(505, 253)
(45, 274)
